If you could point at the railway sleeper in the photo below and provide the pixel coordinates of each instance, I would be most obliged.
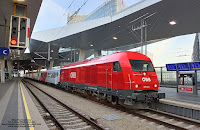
(83, 128)
(72, 122)
(69, 119)
(79, 125)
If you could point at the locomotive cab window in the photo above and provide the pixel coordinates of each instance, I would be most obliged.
(140, 65)
(116, 66)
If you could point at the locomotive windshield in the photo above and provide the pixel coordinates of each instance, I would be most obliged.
(140, 65)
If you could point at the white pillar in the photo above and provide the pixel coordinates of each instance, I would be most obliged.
(51, 65)
(97, 53)
(82, 54)
(61, 64)
(18, 67)
(2, 69)
(39, 69)
(10, 68)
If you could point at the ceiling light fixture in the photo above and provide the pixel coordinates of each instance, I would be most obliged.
(20, 0)
(91, 45)
(115, 38)
(172, 22)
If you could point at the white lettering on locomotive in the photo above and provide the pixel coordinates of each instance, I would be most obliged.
(145, 79)
(146, 87)
(73, 75)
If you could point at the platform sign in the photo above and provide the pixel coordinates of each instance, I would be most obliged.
(185, 89)
(194, 66)
(4, 51)
(171, 67)
(183, 67)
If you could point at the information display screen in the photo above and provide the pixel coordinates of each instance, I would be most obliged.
(183, 67)
(195, 66)
(171, 67)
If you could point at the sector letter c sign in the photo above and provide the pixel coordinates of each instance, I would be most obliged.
(4, 51)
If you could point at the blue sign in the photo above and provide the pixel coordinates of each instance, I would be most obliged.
(4, 51)
(171, 67)
(183, 66)
(195, 66)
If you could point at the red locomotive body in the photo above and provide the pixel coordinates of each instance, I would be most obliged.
(43, 76)
(124, 77)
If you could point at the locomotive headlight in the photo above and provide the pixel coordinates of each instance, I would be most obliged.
(136, 86)
(155, 85)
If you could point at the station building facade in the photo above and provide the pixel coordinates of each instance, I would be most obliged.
(108, 8)
(196, 50)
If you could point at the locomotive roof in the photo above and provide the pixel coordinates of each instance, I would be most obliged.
(109, 58)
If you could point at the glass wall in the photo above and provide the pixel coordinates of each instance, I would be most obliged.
(166, 77)
(108, 8)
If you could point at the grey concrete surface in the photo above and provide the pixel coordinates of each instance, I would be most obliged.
(171, 94)
(13, 115)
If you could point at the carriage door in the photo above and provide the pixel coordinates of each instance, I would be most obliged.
(109, 76)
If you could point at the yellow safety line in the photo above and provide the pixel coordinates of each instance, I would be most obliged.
(30, 124)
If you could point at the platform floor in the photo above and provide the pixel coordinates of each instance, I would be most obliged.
(171, 94)
(17, 110)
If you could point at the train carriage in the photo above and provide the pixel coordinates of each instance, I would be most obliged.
(53, 76)
(43, 76)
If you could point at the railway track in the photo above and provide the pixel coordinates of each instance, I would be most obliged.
(44, 113)
(63, 116)
(161, 118)
(168, 120)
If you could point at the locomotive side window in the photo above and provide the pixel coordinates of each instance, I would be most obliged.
(140, 65)
(116, 66)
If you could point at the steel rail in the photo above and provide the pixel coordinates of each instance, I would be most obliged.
(89, 120)
(54, 119)
(176, 117)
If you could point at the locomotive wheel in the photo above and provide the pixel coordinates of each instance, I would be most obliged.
(114, 100)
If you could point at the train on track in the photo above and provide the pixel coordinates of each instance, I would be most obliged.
(126, 78)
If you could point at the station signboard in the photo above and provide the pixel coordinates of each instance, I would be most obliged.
(183, 67)
(4, 51)
(185, 89)
(194, 66)
(171, 67)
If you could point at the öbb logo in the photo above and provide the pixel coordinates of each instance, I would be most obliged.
(145, 79)
(73, 75)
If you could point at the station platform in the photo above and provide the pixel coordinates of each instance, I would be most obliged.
(180, 99)
(17, 110)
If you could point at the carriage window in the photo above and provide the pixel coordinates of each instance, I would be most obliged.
(55, 74)
(116, 66)
(140, 65)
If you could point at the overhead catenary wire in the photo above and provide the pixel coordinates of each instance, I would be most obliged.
(75, 13)
(57, 23)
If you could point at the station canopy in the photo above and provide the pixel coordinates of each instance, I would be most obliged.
(99, 34)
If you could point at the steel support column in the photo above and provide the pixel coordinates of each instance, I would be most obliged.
(82, 54)
(2, 69)
(10, 68)
(142, 24)
(97, 53)
(51, 65)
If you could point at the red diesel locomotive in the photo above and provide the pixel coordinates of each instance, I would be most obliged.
(127, 78)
